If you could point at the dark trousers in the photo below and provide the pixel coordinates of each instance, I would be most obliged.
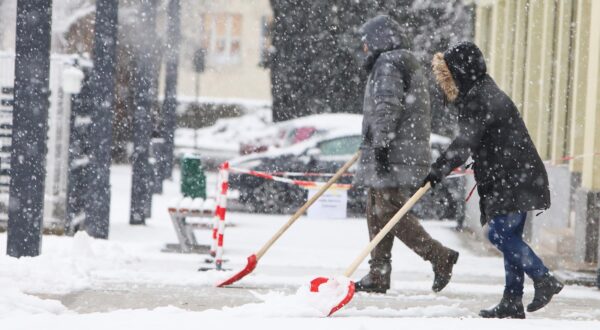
(382, 204)
(506, 233)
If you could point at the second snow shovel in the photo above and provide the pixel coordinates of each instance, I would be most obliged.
(253, 259)
(342, 289)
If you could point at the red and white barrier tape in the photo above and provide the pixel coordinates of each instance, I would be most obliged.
(222, 209)
(300, 183)
(308, 174)
(569, 158)
(459, 173)
(277, 176)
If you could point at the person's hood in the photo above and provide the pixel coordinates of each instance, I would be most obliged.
(458, 68)
(381, 34)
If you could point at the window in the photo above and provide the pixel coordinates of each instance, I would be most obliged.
(265, 40)
(341, 146)
(222, 38)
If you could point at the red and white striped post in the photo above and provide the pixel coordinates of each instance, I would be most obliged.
(224, 173)
(215, 227)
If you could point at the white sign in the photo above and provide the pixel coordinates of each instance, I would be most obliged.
(332, 204)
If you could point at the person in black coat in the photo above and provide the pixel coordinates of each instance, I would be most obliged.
(511, 177)
(395, 151)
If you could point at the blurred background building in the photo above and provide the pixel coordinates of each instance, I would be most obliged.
(233, 36)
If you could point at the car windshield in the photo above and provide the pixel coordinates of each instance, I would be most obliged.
(340, 146)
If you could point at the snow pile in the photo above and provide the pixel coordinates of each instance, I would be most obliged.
(13, 302)
(303, 303)
(231, 131)
(174, 318)
(249, 104)
(65, 267)
(226, 134)
(274, 304)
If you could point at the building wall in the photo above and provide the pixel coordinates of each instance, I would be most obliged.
(241, 78)
(8, 22)
(543, 54)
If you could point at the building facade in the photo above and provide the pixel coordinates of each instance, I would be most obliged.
(546, 55)
(233, 35)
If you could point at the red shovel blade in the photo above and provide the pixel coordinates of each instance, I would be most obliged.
(252, 261)
(317, 282)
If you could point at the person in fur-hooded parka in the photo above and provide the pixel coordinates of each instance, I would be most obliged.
(511, 178)
(510, 174)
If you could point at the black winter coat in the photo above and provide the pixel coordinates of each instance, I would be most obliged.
(510, 174)
(396, 110)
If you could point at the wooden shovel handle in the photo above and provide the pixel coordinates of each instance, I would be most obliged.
(385, 230)
(306, 205)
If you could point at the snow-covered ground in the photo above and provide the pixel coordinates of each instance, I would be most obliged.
(128, 283)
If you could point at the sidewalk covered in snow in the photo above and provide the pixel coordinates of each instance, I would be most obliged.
(127, 282)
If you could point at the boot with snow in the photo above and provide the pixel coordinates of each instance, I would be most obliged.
(545, 288)
(442, 269)
(378, 279)
(510, 307)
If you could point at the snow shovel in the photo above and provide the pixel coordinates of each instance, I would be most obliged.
(343, 288)
(253, 259)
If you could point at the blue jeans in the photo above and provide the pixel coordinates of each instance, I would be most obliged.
(506, 233)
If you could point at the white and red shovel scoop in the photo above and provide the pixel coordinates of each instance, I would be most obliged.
(336, 292)
(329, 289)
(253, 259)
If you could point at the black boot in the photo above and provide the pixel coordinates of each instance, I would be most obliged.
(510, 307)
(442, 269)
(378, 279)
(545, 288)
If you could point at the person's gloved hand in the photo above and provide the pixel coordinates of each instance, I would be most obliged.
(433, 178)
(382, 161)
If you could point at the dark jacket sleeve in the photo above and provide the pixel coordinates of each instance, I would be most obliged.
(388, 93)
(473, 123)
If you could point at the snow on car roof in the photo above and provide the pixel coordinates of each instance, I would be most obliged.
(325, 121)
(299, 148)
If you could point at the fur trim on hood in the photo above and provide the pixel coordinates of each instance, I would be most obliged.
(443, 76)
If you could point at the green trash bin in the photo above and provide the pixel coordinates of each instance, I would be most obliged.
(193, 179)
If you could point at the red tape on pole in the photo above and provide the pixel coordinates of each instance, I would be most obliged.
(222, 210)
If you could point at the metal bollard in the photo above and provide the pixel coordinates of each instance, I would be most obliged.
(30, 127)
(157, 154)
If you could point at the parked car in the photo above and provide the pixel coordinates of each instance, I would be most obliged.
(289, 132)
(326, 154)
